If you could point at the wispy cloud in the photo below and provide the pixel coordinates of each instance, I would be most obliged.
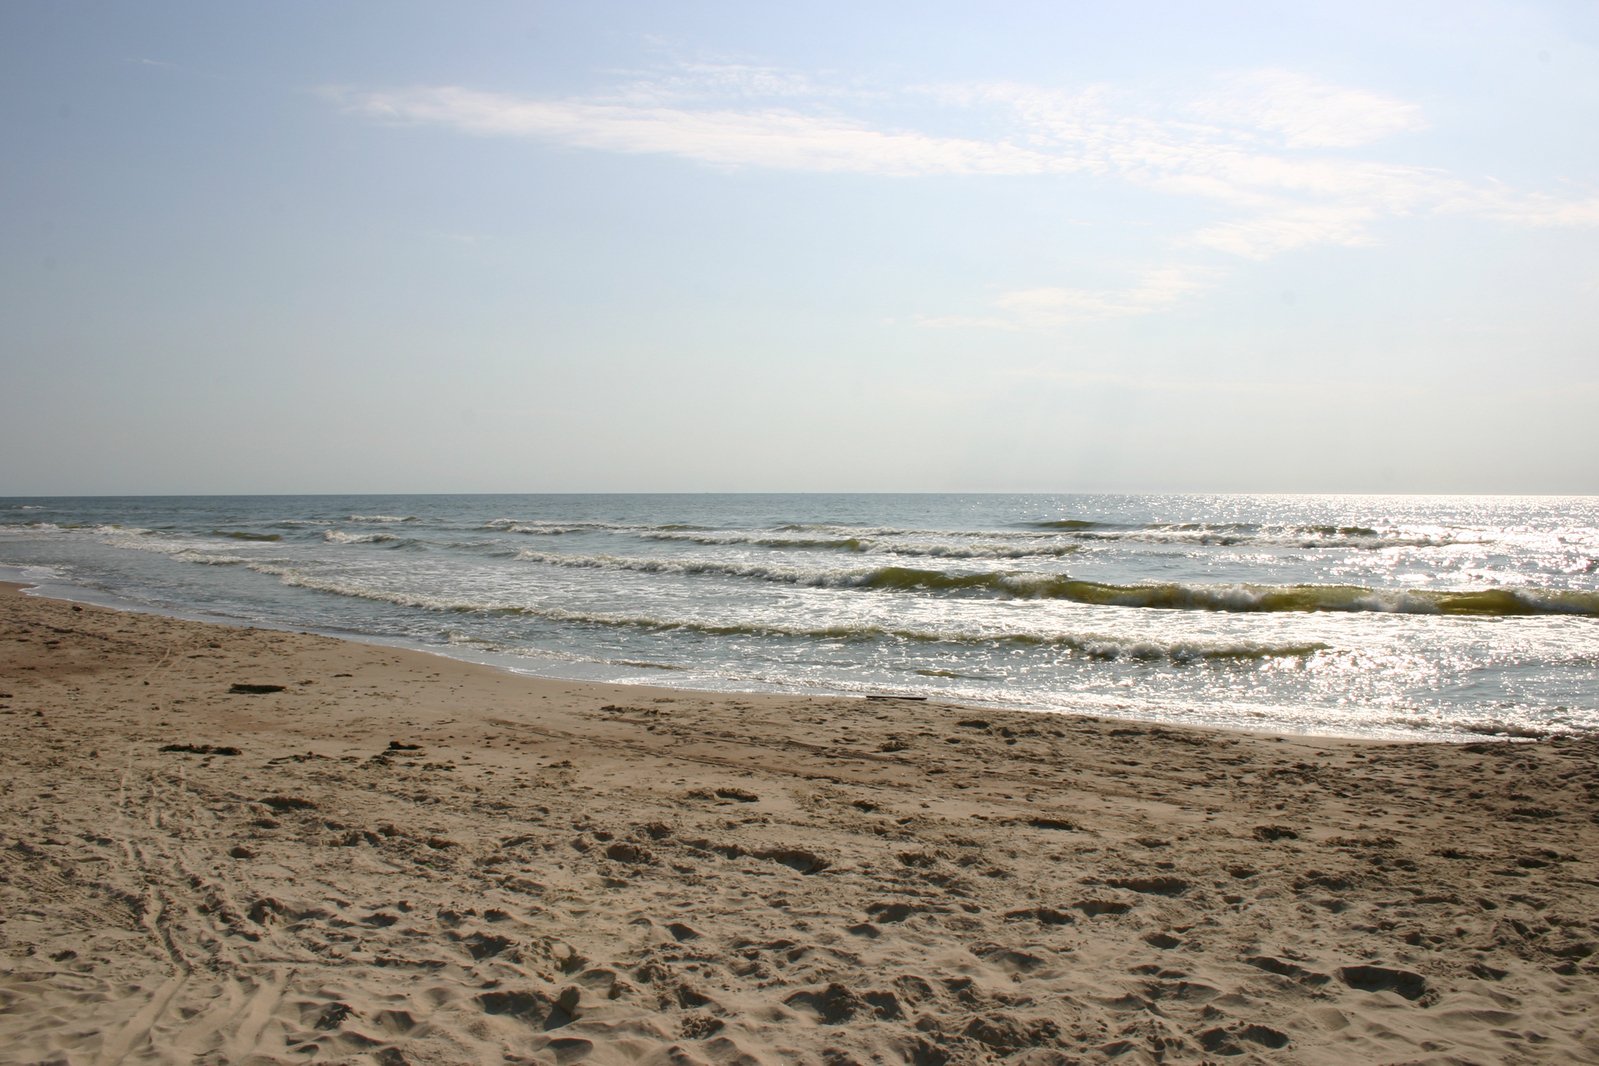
(1209, 384)
(1534, 210)
(724, 83)
(1052, 306)
(1268, 234)
(762, 137)
(1286, 389)
(1287, 161)
(1273, 144)
(1248, 154)
(1305, 112)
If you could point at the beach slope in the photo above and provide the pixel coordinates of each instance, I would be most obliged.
(231, 845)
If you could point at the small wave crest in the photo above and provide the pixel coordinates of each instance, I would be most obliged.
(1507, 730)
(1094, 646)
(298, 578)
(1167, 596)
(1235, 534)
(1113, 648)
(859, 545)
(381, 518)
(546, 529)
(698, 567)
(190, 555)
(983, 550)
(887, 578)
(540, 527)
(1309, 598)
(1065, 524)
(1341, 531)
(758, 540)
(335, 536)
(241, 534)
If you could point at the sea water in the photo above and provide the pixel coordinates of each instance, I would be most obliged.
(1423, 617)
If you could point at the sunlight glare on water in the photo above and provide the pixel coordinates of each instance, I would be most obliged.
(1390, 616)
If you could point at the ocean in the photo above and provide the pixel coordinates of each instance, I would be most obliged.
(1374, 616)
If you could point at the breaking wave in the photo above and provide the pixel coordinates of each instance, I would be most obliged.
(1170, 596)
(549, 529)
(887, 578)
(1092, 646)
(1308, 537)
(757, 540)
(1072, 524)
(190, 555)
(239, 534)
(334, 536)
(1306, 598)
(993, 548)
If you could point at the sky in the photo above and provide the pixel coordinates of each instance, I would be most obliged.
(702, 247)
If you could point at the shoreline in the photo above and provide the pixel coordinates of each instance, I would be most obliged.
(401, 856)
(27, 587)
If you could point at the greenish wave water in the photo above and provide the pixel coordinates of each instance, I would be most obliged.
(1381, 616)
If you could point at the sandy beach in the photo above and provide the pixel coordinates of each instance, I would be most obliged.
(233, 845)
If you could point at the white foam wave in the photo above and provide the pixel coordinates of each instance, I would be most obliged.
(1189, 651)
(842, 541)
(695, 567)
(1105, 647)
(298, 578)
(980, 551)
(334, 536)
(537, 528)
(144, 540)
(191, 555)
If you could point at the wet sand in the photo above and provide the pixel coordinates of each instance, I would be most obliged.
(372, 855)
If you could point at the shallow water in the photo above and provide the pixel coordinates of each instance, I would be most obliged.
(1342, 615)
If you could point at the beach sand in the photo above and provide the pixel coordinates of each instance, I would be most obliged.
(400, 858)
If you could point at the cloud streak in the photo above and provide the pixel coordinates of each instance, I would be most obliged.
(1287, 162)
(1272, 145)
(764, 137)
(1306, 113)
(1050, 307)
